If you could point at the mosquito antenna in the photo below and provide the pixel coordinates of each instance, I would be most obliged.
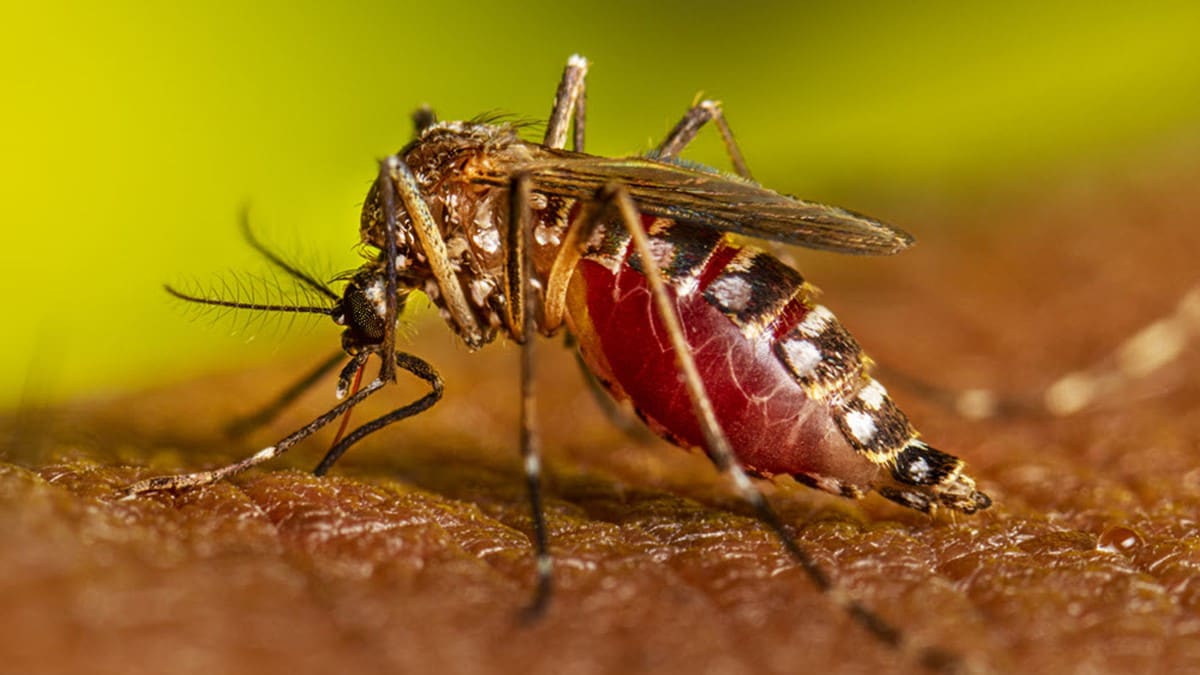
(297, 309)
(274, 259)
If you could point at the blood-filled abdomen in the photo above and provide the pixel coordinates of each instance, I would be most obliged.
(772, 424)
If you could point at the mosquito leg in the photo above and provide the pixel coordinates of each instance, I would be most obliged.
(696, 117)
(396, 178)
(521, 317)
(1139, 356)
(580, 121)
(685, 132)
(516, 271)
(721, 454)
(386, 184)
(531, 459)
(351, 372)
(404, 361)
(569, 102)
(159, 483)
(243, 425)
(1143, 353)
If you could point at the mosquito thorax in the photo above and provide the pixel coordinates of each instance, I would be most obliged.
(444, 154)
(461, 169)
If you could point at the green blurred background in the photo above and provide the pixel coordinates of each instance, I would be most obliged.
(132, 133)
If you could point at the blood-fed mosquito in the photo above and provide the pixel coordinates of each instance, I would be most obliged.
(719, 346)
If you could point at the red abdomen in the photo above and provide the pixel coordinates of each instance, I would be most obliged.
(736, 306)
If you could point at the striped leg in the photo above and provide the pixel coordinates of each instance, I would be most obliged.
(1141, 355)
(407, 362)
(396, 179)
(521, 318)
(570, 101)
(1148, 350)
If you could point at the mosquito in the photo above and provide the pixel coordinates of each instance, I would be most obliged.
(720, 347)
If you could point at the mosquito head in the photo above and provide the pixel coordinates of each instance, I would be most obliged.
(362, 309)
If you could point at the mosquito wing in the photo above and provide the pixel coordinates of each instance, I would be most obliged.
(711, 199)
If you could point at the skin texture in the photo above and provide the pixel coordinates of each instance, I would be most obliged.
(414, 555)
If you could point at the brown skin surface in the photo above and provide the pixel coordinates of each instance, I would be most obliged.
(414, 556)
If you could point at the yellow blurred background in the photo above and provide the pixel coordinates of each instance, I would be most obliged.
(133, 132)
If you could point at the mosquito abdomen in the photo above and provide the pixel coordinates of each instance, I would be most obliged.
(788, 383)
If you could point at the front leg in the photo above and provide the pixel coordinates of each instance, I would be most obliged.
(397, 179)
(412, 364)
(190, 480)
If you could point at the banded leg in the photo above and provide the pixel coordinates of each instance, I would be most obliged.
(395, 178)
(685, 132)
(408, 362)
(1149, 350)
(569, 101)
(405, 361)
(385, 183)
(521, 318)
(1145, 352)
(721, 454)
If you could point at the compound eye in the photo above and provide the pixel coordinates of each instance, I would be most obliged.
(361, 316)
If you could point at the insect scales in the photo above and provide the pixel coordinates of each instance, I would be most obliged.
(718, 346)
